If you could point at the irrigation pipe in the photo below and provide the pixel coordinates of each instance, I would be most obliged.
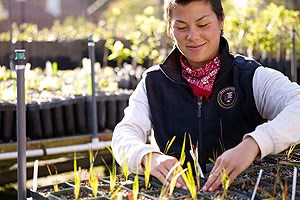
(57, 150)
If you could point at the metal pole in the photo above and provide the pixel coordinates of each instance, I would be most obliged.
(21, 123)
(91, 46)
(294, 57)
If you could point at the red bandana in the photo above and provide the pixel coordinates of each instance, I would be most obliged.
(201, 80)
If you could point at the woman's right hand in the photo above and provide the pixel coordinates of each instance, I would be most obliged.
(160, 167)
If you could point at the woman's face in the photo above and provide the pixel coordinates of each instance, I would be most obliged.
(196, 31)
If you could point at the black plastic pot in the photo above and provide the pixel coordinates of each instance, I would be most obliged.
(68, 116)
(46, 119)
(111, 110)
(8, 122)
(85, 193)
(43, 193)
(79, 114)
(33, 119)
(57, 117)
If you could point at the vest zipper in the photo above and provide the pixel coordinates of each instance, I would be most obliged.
(199, 116)
(199, 102)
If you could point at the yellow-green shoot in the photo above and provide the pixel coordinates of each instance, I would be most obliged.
(147, 170)
(182, 154)
(190, 181)
(93, 180)
(225, 183)
(76, 178)
(55, 185)
(125, 169)
(290, 151)
(188, 177)
(115, 193)
(112, 171)
(170, 187)
(54, 68)
(194, 154)
(169, 144)
(135, 187)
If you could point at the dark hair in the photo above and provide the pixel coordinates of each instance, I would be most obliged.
(169, 5)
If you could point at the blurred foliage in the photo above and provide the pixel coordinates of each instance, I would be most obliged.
(257, 29)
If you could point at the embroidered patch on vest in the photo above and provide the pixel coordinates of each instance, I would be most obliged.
(227, 97)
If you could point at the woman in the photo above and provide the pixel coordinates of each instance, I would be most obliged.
(234, 109)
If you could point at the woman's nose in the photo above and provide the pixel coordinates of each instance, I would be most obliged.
(193, 34)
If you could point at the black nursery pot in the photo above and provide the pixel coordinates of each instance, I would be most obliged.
(79, 114)
(57, 117)
(43, 193)
(85, 193)
(68, 116)
(8, 121)
(111, 110)
(46, 119)
(116, 103)
(34, 124)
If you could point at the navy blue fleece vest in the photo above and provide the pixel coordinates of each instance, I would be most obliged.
(215, 125)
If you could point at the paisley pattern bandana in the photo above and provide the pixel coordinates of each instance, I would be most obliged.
(201, 80)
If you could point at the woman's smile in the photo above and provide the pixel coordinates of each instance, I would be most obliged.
(195, 47)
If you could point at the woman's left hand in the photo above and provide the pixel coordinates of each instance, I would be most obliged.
(234, 161)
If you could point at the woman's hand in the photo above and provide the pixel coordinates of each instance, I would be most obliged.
(234, 161)
(160, 167)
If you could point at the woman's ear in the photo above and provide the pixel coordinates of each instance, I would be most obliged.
(222, 19)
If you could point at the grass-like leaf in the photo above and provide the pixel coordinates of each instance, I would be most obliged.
(114, 194)
(290, 151)
(148, 170)
(191, 181)
(182, 154)
(169, 144)
(197, 167)
(93, 181)
(55, 185)
(76, 178)
(170, 187)
(112, 171)
(176, 173)
(135, 187)
(125, 169)
(225, 183)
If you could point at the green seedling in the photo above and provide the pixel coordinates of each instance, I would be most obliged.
(290, 151)
(76, 178)
(188, 177)
(182, 154)
(147, 170)
(115, 193)
(93, 180)
(169, 144)
(170, 187)
(191, 181)
(54, 68)
(112, 171)
(55, 185)
(198, 170)
(125, 169)
(135, 187)
(225, 183)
